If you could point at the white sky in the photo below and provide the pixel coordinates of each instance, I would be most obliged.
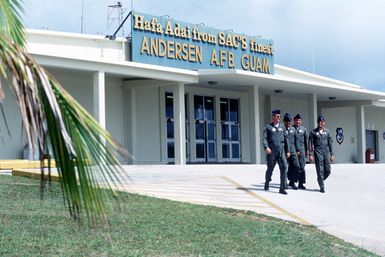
(342, 39)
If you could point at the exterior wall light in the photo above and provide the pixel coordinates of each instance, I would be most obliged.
(278, 91)
(212, 83)
(332, 98)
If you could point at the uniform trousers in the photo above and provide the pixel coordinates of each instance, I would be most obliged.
(273, 158)
(323, 168)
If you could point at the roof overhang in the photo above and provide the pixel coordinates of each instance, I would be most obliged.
(286, 85)
(123, 69)
(324, 88)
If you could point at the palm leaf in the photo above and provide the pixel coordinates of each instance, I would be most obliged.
(10, 21)
(85, 154)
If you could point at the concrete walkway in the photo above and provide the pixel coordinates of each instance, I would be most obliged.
(353, 207)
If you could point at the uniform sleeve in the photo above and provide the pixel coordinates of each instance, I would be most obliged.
(330, 144)
(265, 143)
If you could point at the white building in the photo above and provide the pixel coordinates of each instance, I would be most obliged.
(172, 115)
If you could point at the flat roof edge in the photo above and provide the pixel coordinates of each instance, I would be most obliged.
(315, 76)
(119, 67)
(44, 32)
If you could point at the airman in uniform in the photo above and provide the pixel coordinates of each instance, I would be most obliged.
(276, 147)
(302, 152)
(293, 164)
(321, 145)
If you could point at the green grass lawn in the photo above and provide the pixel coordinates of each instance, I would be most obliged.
(145, 226)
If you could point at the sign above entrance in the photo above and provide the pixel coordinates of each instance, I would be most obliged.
(167, 42)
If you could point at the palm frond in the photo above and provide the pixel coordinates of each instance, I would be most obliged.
(85, 154)
(10, 21)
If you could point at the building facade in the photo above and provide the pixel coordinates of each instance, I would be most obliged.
(164, 114)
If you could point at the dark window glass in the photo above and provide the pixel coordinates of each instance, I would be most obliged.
(211, 150)
(209, 108)
(225, 131)
(200, 150)
(186, 128)
(170, 150)
(234, 110)
(169, 105)
(170, 128)
(198, 107)
(187, 150)
(235, 150)
(186, 107)
(210, 131)
(225, 151)
(224, 105)
(199, 130)
(234, 133)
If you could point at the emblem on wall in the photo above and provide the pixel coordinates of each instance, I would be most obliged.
(339, 135)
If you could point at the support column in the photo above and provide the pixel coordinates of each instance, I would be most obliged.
(255, 136)
(361, 137)
(268, 109)
(312, 107)
(99, 98)
(179, 125)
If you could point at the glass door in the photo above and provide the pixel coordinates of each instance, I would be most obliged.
(371, 142)
(169, 104)
(230, 128)
(205, 140)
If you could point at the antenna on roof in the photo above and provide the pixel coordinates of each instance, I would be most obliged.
(115, 15)
(113, 36)
(82, 18)
(312, 61)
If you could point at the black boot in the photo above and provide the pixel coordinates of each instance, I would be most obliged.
(322, 190)
(301, 186)
(292, 184)
(282, 191)
(266, 186)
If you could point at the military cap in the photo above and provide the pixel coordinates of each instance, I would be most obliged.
(298, 116)
(286, 117)
(321, 118)
(275, 112)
